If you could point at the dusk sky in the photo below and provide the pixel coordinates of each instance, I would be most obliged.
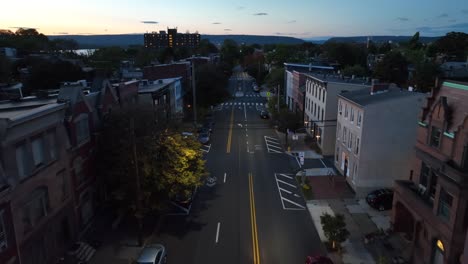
(297, 18)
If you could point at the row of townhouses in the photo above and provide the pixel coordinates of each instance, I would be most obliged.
(49, 189)
(382, 136)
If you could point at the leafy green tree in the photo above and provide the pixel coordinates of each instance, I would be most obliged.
(393, 68)
(168, 165)
(230, 52)
(211, 83)
(47, 75)
(454, 44)
(414, 42)
(275, 78)
(205, 48)
(334, 228)
(385, 48)
(424, 75)
(108, 58)
(356, 70)
(346, 54)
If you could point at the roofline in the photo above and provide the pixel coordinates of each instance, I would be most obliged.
(307, 66)
(22, 118)
(455, 85)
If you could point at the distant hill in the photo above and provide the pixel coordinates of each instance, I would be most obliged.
(380, 39)
(125, 40)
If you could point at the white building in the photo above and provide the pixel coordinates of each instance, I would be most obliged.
(375, 134)
(320, 106)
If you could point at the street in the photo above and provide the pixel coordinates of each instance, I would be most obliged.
(255, 212)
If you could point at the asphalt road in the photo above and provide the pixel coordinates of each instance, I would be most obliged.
(255, 213)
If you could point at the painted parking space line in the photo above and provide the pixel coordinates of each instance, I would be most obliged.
(206, 148)
(288, 192)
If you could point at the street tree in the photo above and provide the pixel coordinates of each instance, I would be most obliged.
(356, 70)
(334, 228)
(454, 44)
(275, 78)
(205, 48)
(393, 68)
(164, 163)
(230, 52)
(211, 83)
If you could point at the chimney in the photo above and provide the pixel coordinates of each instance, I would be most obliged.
(379, 88)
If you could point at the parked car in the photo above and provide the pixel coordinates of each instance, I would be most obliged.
(318, 260)
(209, 125)
(204, 137)
(264, 114)
(153, 254)
(380, 199)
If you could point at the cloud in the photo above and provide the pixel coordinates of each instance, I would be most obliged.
(216, 23)
(260, 14)
(291, 21)
(292, 34)
(442, 15)
(442, 30)
(227, 29)
(61, 33)
(402, 19)
(149, 22)
(240, 7)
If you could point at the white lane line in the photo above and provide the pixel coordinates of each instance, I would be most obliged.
(245, 113)
(224, 177)
(296, 204)
(287, 183)
(286, 176)
(286, 191)
(295, 195)
(273, 151)
(325, 166)
(298, 162)
(279, 192)
(273, 146)
(217, 232)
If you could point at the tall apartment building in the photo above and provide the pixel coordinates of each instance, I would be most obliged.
(171, 39)
(431, 205)
(375, 134)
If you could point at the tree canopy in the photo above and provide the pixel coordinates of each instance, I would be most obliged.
(393, 68)
(211, 83)
(168, 165)
(334, 228)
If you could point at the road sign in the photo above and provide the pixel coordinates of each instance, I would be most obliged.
(268, 94)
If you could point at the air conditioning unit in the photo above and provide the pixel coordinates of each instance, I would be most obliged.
(421, 189)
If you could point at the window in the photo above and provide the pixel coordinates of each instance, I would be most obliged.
(22, 161)
(435, 137)
(315, 109)
(82, 129)
(433, 186)
(352, 115)
(322, 115)
(37, 207)
(356, 150)
(52, 145)
(79, 172)
(3, 235)
(320, 94)
(38, 151)
(424, 176)
(359, 119)
(323, 96)
(337, 153)
(62, 177)
(344, 135)
(346, 111)
(338, 131)
(350, 140)
(445, 204)
(340, 107)
(354, 171)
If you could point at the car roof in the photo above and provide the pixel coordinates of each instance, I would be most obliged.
(149, 252)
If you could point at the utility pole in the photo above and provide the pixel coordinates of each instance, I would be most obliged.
(278, 95)
(138, 214)
(194, 94)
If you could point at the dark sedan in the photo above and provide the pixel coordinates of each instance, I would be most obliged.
(380, 199)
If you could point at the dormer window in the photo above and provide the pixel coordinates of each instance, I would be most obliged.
(435, 137)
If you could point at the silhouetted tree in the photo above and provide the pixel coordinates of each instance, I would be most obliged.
(393, 68)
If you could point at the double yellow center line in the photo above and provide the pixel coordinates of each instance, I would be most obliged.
(253, 220)
(228, 146)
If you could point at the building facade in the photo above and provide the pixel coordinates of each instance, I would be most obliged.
(374, 135)
(171, 39)
(8, 247)
(431, 205)
(35, 155)
(321, 101)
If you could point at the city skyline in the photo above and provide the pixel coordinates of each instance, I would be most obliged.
(300, 18)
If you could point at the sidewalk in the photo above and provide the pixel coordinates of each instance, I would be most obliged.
(297, 146)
